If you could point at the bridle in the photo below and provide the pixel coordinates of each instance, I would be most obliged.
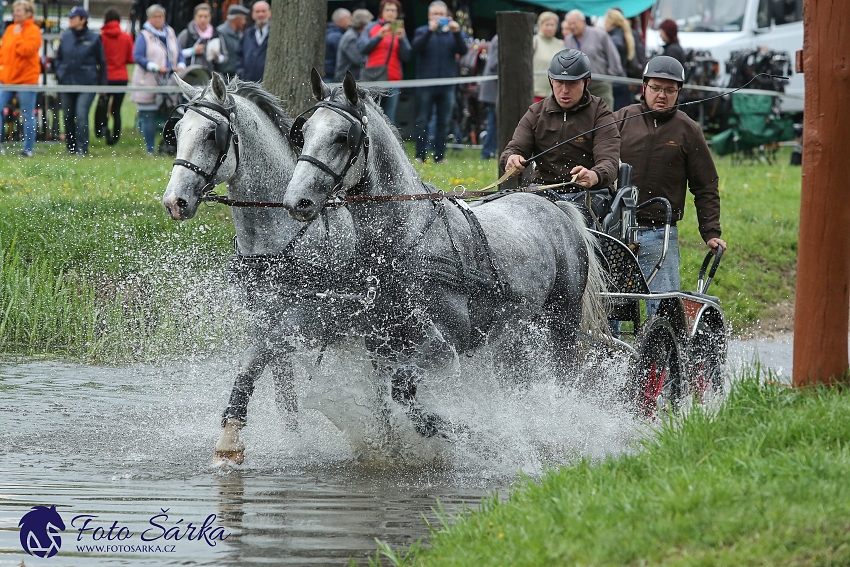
(225, 133)
(357, 139)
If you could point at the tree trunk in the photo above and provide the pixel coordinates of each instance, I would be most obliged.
(296, 45)
(823, 262)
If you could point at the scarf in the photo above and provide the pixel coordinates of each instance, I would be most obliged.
(206, 34)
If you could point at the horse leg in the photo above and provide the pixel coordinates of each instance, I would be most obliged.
(566, 321)
(403, 382)
(229, 447)
(284, 389)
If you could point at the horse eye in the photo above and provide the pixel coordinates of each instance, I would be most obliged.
(211, 135)
(340, 139)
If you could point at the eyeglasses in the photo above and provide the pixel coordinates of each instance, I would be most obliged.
(669, 91)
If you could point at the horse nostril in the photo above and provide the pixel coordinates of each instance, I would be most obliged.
(304, 204)
(181, 203)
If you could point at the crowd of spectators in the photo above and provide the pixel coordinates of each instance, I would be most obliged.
(370, 49)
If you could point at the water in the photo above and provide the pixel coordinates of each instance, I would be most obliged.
(130, 447)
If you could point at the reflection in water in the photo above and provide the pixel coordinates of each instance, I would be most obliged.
(124, 444)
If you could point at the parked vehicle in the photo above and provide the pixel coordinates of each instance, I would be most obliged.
(722, 27)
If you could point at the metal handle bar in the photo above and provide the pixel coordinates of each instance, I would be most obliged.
(668, 217)
(702, 286)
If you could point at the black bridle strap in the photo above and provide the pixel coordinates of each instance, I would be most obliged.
(337, 177)
(209, 177)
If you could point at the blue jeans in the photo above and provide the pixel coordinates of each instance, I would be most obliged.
(26, 101)
(389, 103)
(651, 244)
(76, 107)
(148, 120)
(427, 98)
(491, 140)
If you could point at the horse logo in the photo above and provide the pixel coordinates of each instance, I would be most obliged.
(40, 529)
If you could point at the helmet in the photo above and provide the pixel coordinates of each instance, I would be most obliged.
(569, 65)
(664, 67)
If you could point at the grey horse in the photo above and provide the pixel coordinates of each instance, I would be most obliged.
(237, 134)
(450, 276)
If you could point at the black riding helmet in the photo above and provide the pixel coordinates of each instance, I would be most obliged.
(569, 65)
(664, 67)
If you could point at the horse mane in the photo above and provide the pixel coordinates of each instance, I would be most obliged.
(369, 96)
(265, 101)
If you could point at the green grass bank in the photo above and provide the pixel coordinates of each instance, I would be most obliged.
(91, 267)
(761, 482)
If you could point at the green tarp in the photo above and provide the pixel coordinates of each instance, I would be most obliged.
(630, 8)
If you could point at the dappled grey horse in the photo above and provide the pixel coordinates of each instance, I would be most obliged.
(450, 276)
(237, 134)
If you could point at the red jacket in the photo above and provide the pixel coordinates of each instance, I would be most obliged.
(118, 47)
(378, 49)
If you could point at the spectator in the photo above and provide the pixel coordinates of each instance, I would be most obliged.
(597, 45)
(348, 57)
(620, 30)
(488, 95)
(231, 32)
(21, 65)
(437, 46)
(340, 21)
(118, 48)
(546, 46)
(157, 55)
(385, 45)
(255, 42)
(79, 61)
(669, 32)
(200, 42)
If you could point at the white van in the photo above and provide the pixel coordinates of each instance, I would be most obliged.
(723, 26)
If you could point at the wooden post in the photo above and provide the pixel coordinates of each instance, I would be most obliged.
(516, 74)
(823, 262)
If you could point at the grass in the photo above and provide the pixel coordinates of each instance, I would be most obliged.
(89, 258)
(760, 482)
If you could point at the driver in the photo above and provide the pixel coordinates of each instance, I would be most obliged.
(569, 111)
(669, 154)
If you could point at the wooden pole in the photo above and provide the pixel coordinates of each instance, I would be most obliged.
(516, 74)
(823, 262)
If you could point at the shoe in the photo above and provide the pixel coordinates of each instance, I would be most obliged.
(25, 153)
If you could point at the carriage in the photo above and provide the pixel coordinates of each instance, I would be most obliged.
(679, 350)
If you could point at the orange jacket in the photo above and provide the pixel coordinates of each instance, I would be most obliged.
(19, 60)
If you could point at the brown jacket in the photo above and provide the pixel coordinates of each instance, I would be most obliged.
(667, 153)
(546, 123)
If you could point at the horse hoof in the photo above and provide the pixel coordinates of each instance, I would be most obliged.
(228, 458)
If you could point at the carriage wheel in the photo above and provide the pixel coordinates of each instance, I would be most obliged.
(656, 381)
(707, 358)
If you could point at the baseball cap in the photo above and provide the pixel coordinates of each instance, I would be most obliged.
(79, 11)
(237, 10)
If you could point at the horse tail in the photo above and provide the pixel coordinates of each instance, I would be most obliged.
(594, 306)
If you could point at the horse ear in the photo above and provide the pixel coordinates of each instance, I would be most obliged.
(320, 90)
(349, 85)
(219, 89)
(189, 91)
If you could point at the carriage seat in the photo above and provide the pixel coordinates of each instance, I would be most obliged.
(624, 201)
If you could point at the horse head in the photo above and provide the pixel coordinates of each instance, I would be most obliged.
(333, 140)
(207, 150)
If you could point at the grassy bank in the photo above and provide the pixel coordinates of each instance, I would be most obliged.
(761, 482)
(91, 266)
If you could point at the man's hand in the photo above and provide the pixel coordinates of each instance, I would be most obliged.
(586, 177)
(385, 30)
(454, 27)
(713, 243)
(433, 24)
(199, 49)
(515, 161)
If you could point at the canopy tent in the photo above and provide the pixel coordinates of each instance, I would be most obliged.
(630, 8)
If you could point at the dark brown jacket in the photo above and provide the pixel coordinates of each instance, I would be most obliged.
(546, 123)
(668, 153)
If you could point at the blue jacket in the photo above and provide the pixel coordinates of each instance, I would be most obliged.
(252, 57)
(333, 33)
(436, 51)
(80, 59)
